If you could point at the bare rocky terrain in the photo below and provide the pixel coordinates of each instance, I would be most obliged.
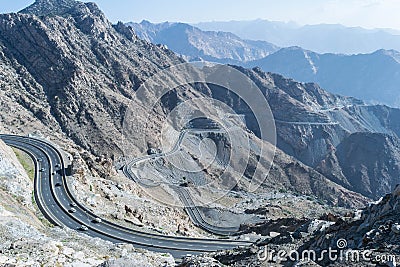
(371, 237)
(28, 239)
(70, 76)
(370, 75)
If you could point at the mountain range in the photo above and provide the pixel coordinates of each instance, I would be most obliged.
(69, 73)
(73, 73)
(195, 44)
(373, 77)
(72, 76)
(321, 38)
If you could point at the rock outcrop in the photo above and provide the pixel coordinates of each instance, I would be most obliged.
(367, 163)
(13, 177)
(373, 230)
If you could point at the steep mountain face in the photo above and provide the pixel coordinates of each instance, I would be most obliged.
(72, 75)
(368, 163)
(195, 44)
(372, 77)
(76, 72)
(322, 38)
(312, 124)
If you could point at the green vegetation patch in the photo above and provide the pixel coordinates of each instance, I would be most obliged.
(26, 162)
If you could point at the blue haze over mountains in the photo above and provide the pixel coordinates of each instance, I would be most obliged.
(320, 38)
(193, 43)
(371, 76)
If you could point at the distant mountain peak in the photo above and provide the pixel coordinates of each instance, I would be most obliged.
(58, 2)
(50, 7)
(293, 48)
(390, 53)
(194, 44)
(87, 16)
(321, 38)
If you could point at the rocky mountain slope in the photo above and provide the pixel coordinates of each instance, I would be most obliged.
(70, 75)
(195, 44)
(28, 240)
(375, 230)
(311, 123)
(371, 77)
(322, 38)
(365, 162)
(92, 69)
(368, 237)
(79, 71)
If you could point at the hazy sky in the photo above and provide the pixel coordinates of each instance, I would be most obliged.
(364, 13)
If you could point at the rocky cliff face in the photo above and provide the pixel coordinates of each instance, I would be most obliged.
(76, 74)
(365, 162)
(79, 71)
(375, 231)
(70, 74)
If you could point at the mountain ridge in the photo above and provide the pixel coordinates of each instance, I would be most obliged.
(49, 7)
(92, 69)
(194, 44)
(371, 77)
(72, 77)
(321, 38)
(359, 75)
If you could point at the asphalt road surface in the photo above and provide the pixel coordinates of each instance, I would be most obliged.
(58, 205)
(184, 195)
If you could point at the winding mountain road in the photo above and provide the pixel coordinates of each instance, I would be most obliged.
(306, 123)
(54, 198)
(184, 195)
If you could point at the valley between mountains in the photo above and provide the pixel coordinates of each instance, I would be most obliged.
(69, 76)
